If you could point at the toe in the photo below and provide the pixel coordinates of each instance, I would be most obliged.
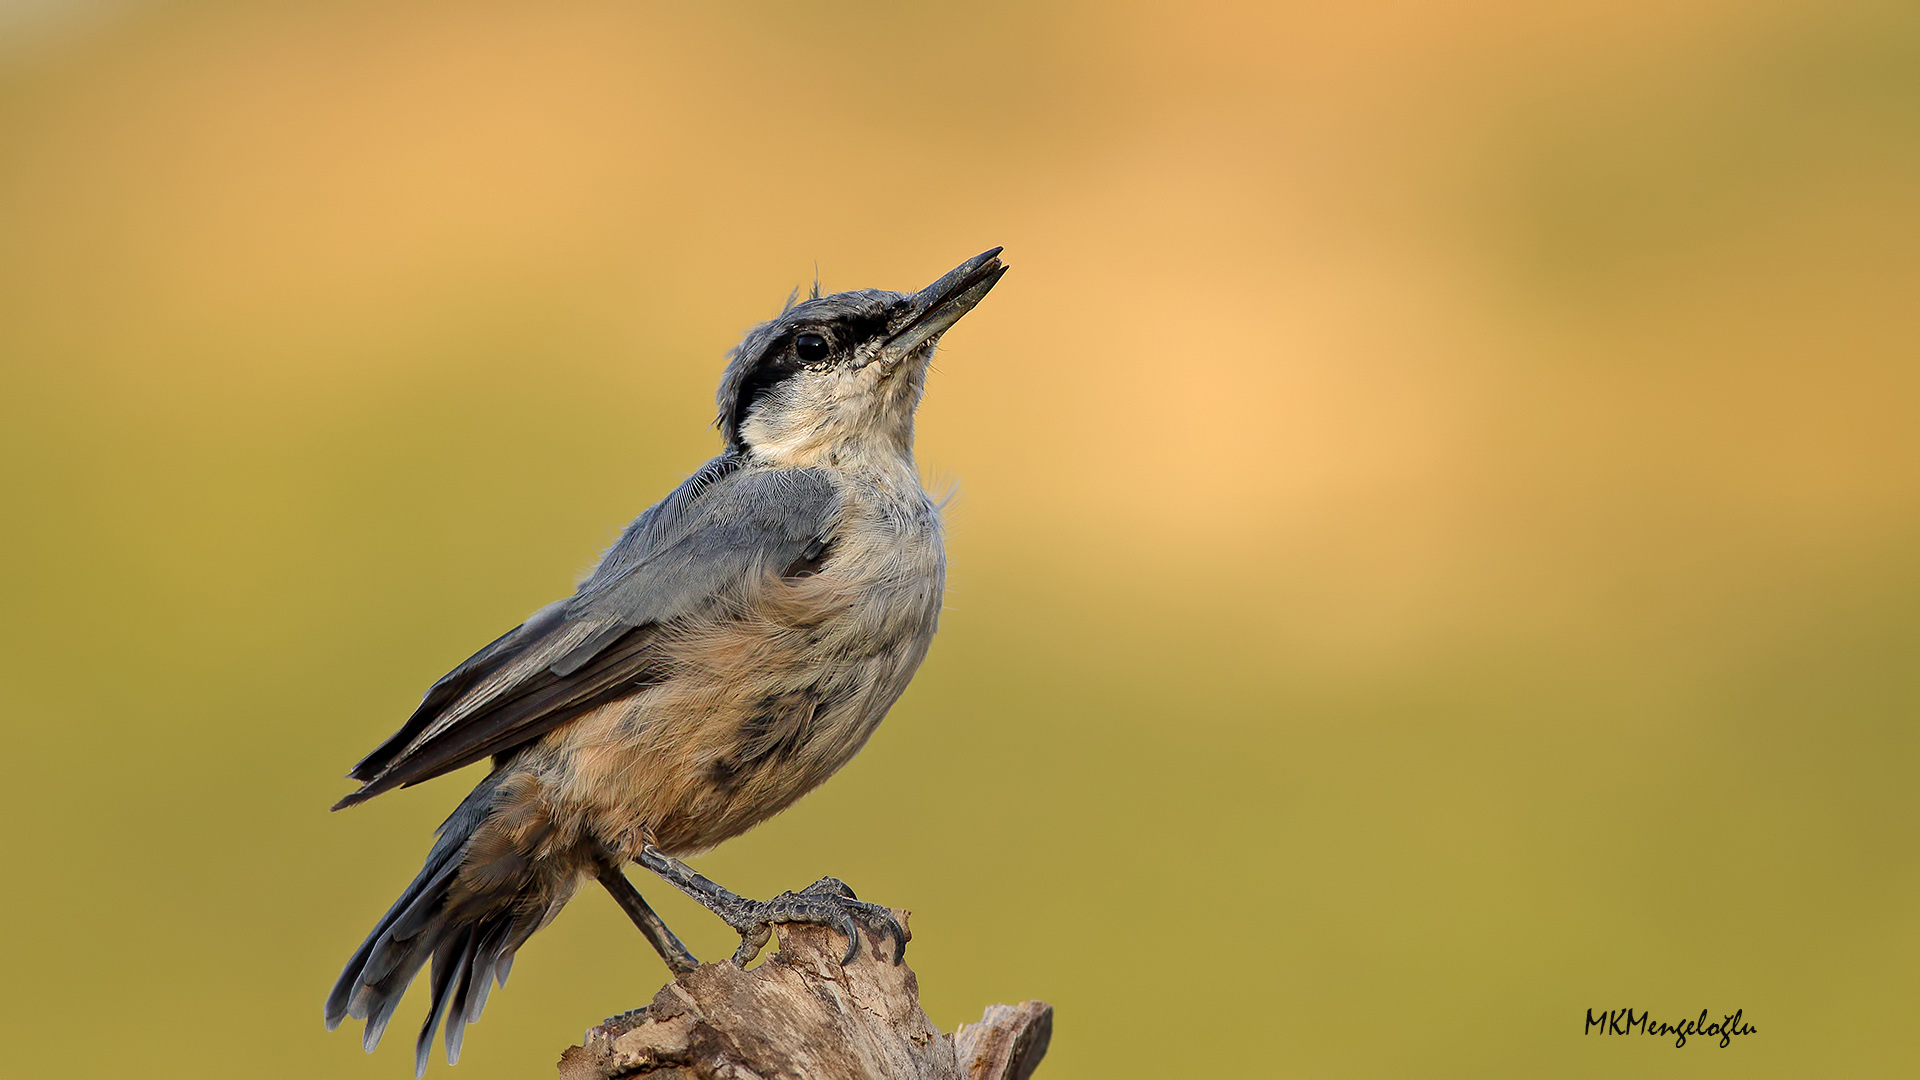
(892, 927)
(830, 886)
(752, 941)
(882, 921)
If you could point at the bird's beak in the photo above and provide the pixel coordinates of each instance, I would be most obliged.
(938, 306)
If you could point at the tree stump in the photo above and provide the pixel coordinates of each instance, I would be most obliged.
(801, 1015)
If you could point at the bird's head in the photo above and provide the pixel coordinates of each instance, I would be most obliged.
(838, 377)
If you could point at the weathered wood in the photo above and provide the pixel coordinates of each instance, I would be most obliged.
(801, 1015)
(1007, 1043)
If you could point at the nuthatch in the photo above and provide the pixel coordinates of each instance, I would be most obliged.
(733, 649)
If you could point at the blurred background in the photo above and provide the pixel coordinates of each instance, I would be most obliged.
(1436, 545)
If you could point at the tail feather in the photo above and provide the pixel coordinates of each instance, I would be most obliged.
(450, 962)
(396, 951)
(459, 1015)
(377, 1022)
(471, 995)
(347, 999)
(486, 969)
(470, 940)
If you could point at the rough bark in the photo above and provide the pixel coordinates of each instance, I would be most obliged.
(800, 1014)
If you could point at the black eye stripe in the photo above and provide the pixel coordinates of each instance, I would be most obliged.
(784, 355)
(770, 373)
(783, 360)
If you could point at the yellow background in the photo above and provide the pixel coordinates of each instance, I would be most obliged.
(1435, 547)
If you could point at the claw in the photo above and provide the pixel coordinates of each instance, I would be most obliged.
(882, 923)
(845, 925)
(899, 934)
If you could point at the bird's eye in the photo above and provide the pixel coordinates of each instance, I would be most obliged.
(810, 348)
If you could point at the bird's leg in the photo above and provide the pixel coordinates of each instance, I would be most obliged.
(662, 939)
(827, 902)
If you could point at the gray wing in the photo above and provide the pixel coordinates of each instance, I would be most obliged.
(724, 527)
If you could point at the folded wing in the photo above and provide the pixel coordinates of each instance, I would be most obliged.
(722, 529)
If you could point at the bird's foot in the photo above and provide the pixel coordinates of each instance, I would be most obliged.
(827, 902)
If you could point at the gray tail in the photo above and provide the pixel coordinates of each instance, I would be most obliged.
(471, 943)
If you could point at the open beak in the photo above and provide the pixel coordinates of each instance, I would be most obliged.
(938, 306)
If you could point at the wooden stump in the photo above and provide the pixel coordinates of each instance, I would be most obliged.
(801, 1015)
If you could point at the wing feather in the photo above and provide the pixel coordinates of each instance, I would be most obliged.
(716, 532)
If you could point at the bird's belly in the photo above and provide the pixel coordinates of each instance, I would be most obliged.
(757, 708)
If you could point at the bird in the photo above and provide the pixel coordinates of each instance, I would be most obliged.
(732, 649)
